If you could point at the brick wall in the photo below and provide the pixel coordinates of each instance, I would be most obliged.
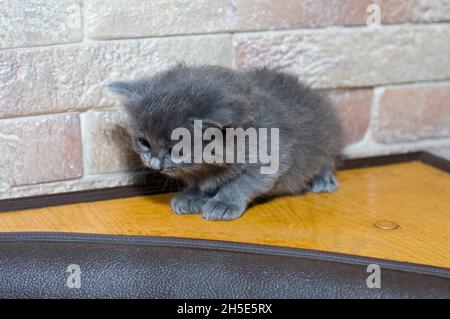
(60, 130)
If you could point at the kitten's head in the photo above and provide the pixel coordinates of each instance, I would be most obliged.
(175, 99)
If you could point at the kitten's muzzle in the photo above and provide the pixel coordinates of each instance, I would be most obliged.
(169, 170)
(152, 162)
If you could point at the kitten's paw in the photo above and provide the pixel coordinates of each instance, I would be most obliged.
(187, 204)
(325, 182)
(219, 210)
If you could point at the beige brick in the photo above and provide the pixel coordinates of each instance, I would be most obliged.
(108, 143)
(267, 14)
(396, 11)
(354, 57)
(410, 113)
(354, 108)
(73, 77)
(27, 84)
(139, 18)
(163, 17)
(39, 22)
(40, 149)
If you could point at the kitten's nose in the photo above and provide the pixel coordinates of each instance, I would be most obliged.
(155, 163)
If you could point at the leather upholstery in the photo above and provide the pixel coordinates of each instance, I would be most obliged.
(34, 266)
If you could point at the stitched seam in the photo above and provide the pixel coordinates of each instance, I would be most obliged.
(225, 246)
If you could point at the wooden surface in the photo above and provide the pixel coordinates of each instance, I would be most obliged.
(413, 195)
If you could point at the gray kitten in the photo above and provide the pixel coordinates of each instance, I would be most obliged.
(310, 134)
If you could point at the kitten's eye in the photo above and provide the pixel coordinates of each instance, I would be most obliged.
(143, 143)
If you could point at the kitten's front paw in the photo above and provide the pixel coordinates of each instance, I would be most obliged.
(220, 210)
(187, 204)
(325, 182)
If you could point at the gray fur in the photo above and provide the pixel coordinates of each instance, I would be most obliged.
(310, 133)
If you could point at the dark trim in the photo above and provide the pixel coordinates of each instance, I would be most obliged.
(425, 157)
(152, 184)
(435, 161)
(205, 244)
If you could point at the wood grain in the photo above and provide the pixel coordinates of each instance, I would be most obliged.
(413, 195)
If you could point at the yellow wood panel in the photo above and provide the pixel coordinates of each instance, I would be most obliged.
(413, 195)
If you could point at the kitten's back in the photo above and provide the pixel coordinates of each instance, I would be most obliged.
(312, 130)
(280, 85)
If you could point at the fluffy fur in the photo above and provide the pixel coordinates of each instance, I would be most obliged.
(310, 133)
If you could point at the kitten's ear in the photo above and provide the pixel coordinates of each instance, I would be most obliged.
(234, 114)
(124, 88)
(206, 123)
(218, 118)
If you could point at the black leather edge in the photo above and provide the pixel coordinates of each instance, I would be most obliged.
(33, 265)
(224, 246)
